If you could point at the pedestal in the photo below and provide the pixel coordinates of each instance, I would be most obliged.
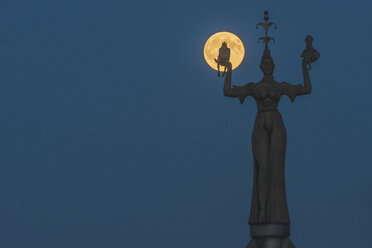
(270, 236)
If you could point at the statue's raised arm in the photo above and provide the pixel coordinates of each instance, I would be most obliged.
(236, 91)
(309, 55)
(292, 90)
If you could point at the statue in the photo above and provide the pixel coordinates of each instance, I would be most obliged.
(269, 218)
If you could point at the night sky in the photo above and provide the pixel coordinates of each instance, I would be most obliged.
(114, 131)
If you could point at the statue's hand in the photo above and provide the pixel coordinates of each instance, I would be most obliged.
(304, 65)
(229, 66)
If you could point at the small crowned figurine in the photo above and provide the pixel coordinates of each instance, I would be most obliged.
(223, 58)
(309, 54)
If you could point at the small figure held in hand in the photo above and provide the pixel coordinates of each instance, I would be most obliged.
(223, 58)
(310, 55)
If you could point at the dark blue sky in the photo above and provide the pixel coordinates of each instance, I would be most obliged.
(114, 131)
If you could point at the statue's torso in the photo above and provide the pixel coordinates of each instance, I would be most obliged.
(267, 96)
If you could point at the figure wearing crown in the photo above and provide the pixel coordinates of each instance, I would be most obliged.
(223, 58)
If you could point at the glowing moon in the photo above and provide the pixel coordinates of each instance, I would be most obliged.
(213, 44)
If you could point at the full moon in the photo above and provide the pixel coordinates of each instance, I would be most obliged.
(213, 44)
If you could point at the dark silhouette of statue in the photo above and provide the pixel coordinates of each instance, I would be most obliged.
(269, 218)
(223, 58)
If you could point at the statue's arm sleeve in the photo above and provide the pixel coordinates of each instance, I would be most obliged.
(290, 90)
(236, 91)
(243, 91)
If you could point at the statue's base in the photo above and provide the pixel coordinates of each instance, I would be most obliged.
(270, 236)
(270, 242)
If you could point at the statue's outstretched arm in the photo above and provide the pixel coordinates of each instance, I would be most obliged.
(292, 90)
(306, 88)
(237, 91)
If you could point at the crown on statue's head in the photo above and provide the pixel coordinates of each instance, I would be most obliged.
(266, 25)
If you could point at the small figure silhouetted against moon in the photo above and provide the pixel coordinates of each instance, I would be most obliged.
(212, 49)
(223, 58)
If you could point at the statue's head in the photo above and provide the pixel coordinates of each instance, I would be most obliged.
(267, 63)
(309, 40)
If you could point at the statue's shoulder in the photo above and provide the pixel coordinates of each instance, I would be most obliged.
(248, 86)
(287, 86)
(284, 84)
(290, 90)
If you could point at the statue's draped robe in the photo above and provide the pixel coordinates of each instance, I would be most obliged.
(276, 202)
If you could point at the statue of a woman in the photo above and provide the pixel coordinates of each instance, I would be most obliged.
(269, 139)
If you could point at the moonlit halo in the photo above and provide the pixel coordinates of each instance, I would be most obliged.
(213, 44)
